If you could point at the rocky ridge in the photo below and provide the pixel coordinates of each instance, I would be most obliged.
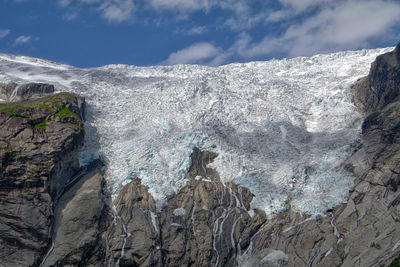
(39, 142)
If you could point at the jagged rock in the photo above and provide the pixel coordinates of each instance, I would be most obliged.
(133, 236)
(80, 218)
(208, 223)
(39, 142)
(381, 86)
(200, 160)
(205, 223)
(15, 92)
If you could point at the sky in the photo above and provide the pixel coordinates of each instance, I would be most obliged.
(91, 33)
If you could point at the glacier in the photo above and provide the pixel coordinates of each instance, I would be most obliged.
(282, 128)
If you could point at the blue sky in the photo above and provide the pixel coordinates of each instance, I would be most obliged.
(89, 33)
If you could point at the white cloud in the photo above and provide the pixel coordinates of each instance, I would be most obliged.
(22, 39)
(301, 5)
(197, 53)
(180, 5)
(116, 11)
(71, 15)
(306, 27)
(4, 33)
(64, 3)
(196, 30)
(244, 21)
(347, 25)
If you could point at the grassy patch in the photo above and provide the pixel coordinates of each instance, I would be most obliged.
(77, 126)
(12, 112)
(40, 125)
(53, 102)
(67, 113)
(71, 118)
(5, 142)
(32, 178)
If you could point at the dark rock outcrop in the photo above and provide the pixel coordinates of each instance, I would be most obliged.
(15, 92)
(206, 223)
(133, 234)
(39, 143)
(80, 217)
(382, 86)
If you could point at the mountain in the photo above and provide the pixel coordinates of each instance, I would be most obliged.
(255, 164)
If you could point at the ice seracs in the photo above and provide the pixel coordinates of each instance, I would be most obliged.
(282, 128)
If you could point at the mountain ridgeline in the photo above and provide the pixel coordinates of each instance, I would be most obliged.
(56, 212)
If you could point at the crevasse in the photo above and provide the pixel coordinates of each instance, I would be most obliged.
(281, 128)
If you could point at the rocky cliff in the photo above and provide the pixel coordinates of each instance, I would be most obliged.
(57, 214)
(39, 143)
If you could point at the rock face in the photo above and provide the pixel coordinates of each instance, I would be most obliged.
(206, 223)
(15, 92)
(382, 86)
(79, 219)
(39, 142)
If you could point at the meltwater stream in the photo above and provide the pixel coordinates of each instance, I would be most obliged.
(281, 128)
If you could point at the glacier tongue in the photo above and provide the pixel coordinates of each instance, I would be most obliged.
(282, 128)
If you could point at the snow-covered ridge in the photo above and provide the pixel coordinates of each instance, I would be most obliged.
(282, 128)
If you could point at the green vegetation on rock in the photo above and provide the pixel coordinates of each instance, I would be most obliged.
(67, 113)
(53, 102)
(40, 125)
(42, 109)
(72, 118)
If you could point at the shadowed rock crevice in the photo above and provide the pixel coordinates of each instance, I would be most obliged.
(200, 160)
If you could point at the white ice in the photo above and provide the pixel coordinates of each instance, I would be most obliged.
(282, 128)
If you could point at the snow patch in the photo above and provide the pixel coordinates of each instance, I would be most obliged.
(179, 212)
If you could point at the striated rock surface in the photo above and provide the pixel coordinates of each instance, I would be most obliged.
(39, 143)
(79, 219)
(382, 86)
(206, 223)
(15, 92)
